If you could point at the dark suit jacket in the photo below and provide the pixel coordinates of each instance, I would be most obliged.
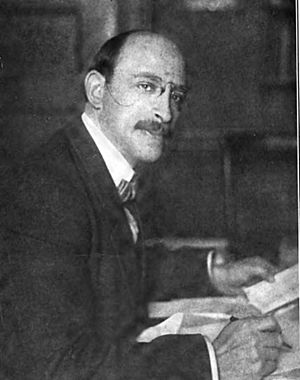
(72, 281)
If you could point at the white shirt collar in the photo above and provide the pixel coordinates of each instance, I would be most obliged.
(115, 162)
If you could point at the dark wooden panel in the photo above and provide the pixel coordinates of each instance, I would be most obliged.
(184, 194)
(224, 52)
(261, 193)
(40, 55)
(241, 69)
(40, 80)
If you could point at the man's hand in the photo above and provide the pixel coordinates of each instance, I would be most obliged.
(248, 349)
(229, 277)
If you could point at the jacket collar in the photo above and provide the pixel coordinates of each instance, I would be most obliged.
(90, 161)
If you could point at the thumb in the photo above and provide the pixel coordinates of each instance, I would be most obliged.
(264, 272)
(258, 267)
(235, 291)
(225, 339)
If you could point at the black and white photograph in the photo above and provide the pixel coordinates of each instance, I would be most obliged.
(149, 190)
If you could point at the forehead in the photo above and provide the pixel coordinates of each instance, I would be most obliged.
(152, 54)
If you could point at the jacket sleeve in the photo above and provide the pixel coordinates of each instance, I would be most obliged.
(48, 324)
(180, 273)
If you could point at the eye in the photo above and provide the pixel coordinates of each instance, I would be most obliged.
(178, 98)
(147, 87)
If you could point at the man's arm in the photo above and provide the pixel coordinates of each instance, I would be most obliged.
(180, 273)
(193, 272)
(49, 329)
(246, 348)
(51, 326)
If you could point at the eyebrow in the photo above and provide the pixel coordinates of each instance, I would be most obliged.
(156, 78)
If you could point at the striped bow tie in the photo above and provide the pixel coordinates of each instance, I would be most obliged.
(127, 190)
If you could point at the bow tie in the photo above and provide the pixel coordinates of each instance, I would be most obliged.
(127, 190)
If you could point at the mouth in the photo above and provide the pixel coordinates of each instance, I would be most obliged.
(153, 128)
(153, 133)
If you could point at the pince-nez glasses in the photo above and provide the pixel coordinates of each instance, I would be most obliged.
(149, 88)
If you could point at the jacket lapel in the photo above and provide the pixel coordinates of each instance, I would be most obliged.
(91, 164)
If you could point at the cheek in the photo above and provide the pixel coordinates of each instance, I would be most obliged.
(115, 116)
(129, 117)
(121, 120)
(141, 110)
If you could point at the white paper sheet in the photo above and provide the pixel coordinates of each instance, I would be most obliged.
(208, 324)
(268, 296)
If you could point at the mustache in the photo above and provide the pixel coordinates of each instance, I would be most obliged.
(154, 127)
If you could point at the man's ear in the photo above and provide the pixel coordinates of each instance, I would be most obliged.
(94, 86)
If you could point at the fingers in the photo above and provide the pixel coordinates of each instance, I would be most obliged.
(268, 360)
(266, 324)
(262, 324)
(266, 273)
(268, 367)
(272, 340)
(266, 353)
(261, 268)
(234, 291)
(272, 354)
(263, 355)
(230, 277)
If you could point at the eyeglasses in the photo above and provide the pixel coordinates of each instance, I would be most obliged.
(150, 87)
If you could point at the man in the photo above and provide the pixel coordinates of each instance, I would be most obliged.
(73, 271)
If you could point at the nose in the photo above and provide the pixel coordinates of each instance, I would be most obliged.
(163, 110)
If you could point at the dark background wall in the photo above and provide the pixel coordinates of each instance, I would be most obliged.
(231, 169)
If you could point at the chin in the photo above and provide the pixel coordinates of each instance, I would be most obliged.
(150, 156)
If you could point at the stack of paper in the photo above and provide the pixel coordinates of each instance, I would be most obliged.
(269, 296)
